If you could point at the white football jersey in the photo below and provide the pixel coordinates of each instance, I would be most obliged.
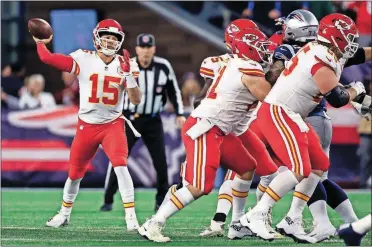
(208, 69)
(295, 88)
(228, 100)
(211, 65)
(101, 86)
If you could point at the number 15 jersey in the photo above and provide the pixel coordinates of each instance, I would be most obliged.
(101, 86)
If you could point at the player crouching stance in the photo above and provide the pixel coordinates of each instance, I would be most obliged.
(312, 73)
(238, 85)
(103, 77)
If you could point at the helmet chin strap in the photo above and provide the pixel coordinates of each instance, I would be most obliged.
(108, 52)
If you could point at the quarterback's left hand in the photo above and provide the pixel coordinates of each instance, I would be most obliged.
(180, 121)
(125, 61)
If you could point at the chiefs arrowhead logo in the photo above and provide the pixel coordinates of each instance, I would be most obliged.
(249, 38)
(342, 25)
(232, 29)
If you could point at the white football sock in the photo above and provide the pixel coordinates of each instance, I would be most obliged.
(170, 192)
(264, 182)
(281, 184)
(224, 198)
(70, 192)
(126, 189)
(318, 210)
(303, 191)
(346, 211)
(180, 199)
(363, 225)
(240, 190)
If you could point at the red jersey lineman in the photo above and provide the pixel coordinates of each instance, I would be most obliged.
(103, 77)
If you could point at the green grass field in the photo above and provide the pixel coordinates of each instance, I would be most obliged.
(24, 213)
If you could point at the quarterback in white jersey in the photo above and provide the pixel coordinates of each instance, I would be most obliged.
(311, 74)
(101, 86)
(103, 77)
(239, 83)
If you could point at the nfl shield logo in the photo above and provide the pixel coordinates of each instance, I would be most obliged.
(145, 39)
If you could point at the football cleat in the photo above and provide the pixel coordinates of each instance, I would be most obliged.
(256, 221)
(269, 222)
(151, 230)
(58, 220)
(132, 223)
(350, 237)
(214, 230)
(322, 231)
(106, 207)
(238, 231)
(294, 228)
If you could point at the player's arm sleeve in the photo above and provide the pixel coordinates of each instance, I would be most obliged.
(134, 68)
(174, 92)
(207, 69)
(254, 79)
(322, 58)
(358, 58)
(203, 92)
(58, 61)
(252, 71)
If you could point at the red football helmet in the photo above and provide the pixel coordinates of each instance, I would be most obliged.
(340, 31)
(252, 44)
(111, 27)
(235, 27)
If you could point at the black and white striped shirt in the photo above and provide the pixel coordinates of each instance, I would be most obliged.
(156, 83)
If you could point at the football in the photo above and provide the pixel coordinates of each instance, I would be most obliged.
(39, 28)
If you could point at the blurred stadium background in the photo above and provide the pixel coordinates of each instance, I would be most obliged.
(36, 142)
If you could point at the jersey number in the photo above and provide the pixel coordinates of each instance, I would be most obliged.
(212, 92)
(113, 98)
(294, 61)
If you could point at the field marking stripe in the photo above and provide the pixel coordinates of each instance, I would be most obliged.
(285, 240)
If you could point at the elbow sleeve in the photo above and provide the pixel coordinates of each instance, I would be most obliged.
(338, 97)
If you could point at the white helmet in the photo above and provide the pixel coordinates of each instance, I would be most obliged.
(301, 26)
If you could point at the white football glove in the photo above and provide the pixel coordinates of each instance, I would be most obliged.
(280, 21)
(367, 101)
(358, 87)
(364, 111)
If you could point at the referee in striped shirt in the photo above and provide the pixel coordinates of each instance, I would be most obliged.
(157, 81)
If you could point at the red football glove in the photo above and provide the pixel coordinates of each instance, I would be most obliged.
(125, 61)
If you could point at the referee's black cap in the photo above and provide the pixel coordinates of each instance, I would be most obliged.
(145, 40)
